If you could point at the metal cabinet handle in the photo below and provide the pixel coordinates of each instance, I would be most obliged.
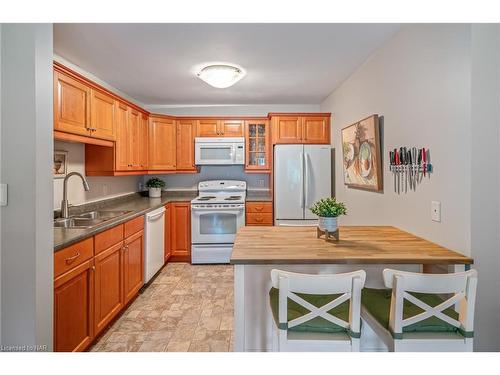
(257, 208)
(71, 259)
(259, 219)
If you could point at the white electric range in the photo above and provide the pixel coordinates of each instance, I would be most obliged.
(216, 215)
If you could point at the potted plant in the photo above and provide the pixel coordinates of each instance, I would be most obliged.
(328, 210)
(155, 185)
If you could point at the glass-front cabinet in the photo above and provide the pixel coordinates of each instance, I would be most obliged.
(258, 148)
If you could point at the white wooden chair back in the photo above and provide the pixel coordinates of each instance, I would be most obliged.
(349, 285)
(461, 285)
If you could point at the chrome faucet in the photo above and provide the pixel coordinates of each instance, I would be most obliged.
(64, 203)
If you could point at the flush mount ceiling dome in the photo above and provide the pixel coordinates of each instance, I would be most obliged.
(221, 76)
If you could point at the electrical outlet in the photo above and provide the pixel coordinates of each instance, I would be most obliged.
(260, 182)
(436, 211)
(3, 195)
(104, 189)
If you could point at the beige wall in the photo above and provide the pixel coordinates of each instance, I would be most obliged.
(419, 81)
(100, 187)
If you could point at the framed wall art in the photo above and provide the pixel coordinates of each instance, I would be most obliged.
(60, 167)
(361, 154)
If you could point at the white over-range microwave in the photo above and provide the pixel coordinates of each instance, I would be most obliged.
(219, 151)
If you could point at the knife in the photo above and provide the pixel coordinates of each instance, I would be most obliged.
(410, 168)
(392, 160)
(415, 167)
(397, 161)
(401, 171)
(424, 159)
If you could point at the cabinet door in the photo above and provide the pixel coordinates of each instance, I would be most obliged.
(71, 105)
(288, 129)
(143, 143)
(168, 232)
(208, 128)
(102, 115)
(108, 294)
(316, 130)
(232, 128)
(162, 144)
(133, 265)
(122, 145)
(135, 138)
(181, 231)
(73, 309)
(258, 147)
(185, 145)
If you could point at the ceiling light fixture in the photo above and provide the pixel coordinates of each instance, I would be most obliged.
(221, 75)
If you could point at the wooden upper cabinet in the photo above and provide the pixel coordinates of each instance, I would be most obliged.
(134, 118)
(102, 118)
(208, 128)
(122, 144)
(162, 144)
(143, 142)
(180, 231)
(287, 129)
(303, 128)
(133, 265)
(71, 105)
(258, 146)
(185, 145)
(232, 128)
(316, 129)
(73, 309)
(220, 128)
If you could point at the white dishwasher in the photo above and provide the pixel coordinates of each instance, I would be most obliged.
(154, 243)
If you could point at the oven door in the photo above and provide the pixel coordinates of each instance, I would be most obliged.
(209, 225)
(214, 153)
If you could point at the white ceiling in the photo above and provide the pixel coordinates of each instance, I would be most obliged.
(285, 63)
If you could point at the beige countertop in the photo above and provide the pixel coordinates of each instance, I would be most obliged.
(357, 245)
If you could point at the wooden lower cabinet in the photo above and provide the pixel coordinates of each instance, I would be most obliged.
(180, 230)
(259, 213)
(108, 296)
(133, 265)
(89, 295)
(73, 309)
(168, 234)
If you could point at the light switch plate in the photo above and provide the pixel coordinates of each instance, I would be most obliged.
(3, 194)
(436, 211)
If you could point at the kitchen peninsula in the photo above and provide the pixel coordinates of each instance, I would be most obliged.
(257, 250)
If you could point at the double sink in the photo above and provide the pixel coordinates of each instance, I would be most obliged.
(88, 220)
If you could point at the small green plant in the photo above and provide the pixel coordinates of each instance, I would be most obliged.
(328, 207)
(155, 182)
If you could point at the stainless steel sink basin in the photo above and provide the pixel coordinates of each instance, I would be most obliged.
(88, 219)
(102, 215)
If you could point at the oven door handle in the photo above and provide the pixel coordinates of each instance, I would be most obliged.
(217, 210)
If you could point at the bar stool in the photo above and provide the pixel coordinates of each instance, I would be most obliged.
(316, 312)
(412, 314)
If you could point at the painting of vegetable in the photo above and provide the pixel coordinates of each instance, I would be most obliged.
(361, 154)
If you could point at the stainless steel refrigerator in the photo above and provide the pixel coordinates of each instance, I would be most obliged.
(302, 175)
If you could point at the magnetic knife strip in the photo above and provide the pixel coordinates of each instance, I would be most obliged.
(409, 167)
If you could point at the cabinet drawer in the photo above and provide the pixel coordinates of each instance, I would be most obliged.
(108, 238)
(72, 256)
(259, 218)
(134, 226)
(259, 207)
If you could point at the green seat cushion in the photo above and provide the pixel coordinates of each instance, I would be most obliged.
(317, 324)
(378, 302)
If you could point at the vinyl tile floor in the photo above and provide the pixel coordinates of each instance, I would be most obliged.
(187, 308)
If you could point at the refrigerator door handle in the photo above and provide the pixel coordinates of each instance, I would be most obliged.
(306, 179)
(302, 197)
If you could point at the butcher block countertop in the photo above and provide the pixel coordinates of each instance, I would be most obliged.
(357, 245)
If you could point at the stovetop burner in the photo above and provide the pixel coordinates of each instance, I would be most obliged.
(233, 198)
(206, 198)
